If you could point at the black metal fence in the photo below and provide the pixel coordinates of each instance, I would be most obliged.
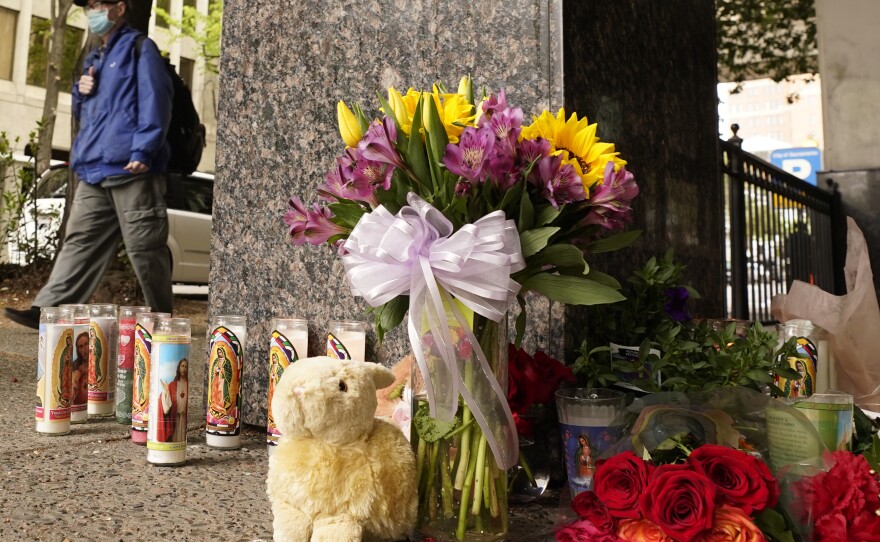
(778, 229)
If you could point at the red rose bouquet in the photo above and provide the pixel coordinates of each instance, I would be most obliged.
(532, 380)
(717, 494)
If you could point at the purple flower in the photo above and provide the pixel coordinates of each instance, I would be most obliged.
(310, 225)
(343, 182)
(372, 174)
(462, 188)
(533, 149)
(492, 105)
(611, 199)
(468, 157)
(559, 182)
(378, 143)
(296, 218)
(506, 126)
(676, 303)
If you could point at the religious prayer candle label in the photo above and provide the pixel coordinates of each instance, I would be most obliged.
(629, 356)
(806, 363)
(224, 383)
(124, 369)
(80, 370)
(335, 348)
(54, 361)
(140, 392)
(169, 393)
(581, 446)
(281, 354)
(102, 331)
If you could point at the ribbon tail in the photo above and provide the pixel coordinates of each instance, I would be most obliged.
(485, 397)
(438, 364)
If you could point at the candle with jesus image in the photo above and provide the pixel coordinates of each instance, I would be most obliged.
(80, 370)
(169, 392)
(140, 386)
(226, 340)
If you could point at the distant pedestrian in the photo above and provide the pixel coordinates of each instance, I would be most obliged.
(123, 103)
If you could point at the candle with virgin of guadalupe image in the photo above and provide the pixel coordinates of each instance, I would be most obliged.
(226, 341)
(54, 361)
(288, 342)
(102, 359)
(140, 385)
(125, 362)
(347, 340)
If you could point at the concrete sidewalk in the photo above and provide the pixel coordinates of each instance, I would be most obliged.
(94, 484)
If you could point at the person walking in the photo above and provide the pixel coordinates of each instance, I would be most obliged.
(123, 103)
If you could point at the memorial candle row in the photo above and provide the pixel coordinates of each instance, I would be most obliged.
(148, 388)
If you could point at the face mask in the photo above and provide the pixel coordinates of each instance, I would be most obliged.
(99, 23)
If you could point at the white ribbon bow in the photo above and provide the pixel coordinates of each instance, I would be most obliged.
(417, 253)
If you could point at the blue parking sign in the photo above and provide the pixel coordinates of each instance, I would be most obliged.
(802, 162)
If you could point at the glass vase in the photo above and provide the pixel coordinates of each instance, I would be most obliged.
(462, 491)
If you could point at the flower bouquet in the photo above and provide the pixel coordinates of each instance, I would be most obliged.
(447, 207)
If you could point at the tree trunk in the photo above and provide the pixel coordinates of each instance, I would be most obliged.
(59, 11)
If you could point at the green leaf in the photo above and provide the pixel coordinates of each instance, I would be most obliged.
(512, 195)
(348, 213)
(760, 376)
(773, 524)
(416, 153)
(603, 278)
(562, 256)
(614, 242)
(435, 138)
(431, 429)
(547, 215)
(386, 108)
(526, 213)
(533, 241)
(389, 315)
(572, 290)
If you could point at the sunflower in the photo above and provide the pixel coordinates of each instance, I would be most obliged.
(575, 140)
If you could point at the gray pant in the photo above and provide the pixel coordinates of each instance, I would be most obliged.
(137, 212)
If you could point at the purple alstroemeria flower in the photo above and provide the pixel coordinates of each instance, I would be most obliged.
(559, 182)
(342, 182)
(676, 303)
(373, 174)
(319, 227)
(531, 150)
(469, 156)
(378, 143)
(296, 218)
(493, 104)
(611, 199)
(462, 189)
(506, 126)
(501, 167)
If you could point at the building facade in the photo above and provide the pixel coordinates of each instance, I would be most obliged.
(23, 51)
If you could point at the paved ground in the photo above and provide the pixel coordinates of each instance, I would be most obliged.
(94, 484)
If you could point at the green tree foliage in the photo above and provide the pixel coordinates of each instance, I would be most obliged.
(765, 38)
(204, 29)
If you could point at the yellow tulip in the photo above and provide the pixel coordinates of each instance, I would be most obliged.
(398, 109)
(465, 86)
(349, 127)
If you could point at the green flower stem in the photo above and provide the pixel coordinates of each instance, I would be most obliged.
(493, 495)
(526, 469)
(430, 490)
(486, 479)
(446, 492)
(466, 495)
(502, 509)
(480, 474)
(465, 449)
(420, 460)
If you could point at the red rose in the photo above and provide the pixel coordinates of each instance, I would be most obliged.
(524, 426)
(732, 525)
(743, 481)
(619, 482)
(520, 395)
(584, 531)
(550, 374)
(588, 506)
(679, 500)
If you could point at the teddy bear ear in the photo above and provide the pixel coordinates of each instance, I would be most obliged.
(382, 376)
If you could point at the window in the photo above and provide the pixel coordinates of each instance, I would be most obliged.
(8, 21)
(38, 54)
(189, 3)
(187, 67)
(166, 6)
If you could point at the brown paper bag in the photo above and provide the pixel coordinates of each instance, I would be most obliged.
(851, 320)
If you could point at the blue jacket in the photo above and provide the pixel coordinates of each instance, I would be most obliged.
(126, 116)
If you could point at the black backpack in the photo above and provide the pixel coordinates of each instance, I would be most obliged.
(186, 133)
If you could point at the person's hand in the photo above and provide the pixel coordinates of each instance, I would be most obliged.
(136, 168)
(87, 82)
